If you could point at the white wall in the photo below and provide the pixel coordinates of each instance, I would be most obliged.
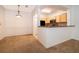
(36, 21)
(2, 22)
(74, 20)
(35, 25)
(18, 26)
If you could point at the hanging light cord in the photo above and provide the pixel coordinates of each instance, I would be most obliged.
(18, 10)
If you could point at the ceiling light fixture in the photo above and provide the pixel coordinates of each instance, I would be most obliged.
(18, 15)
(47, 10)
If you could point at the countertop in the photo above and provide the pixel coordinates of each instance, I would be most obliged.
(55, 26)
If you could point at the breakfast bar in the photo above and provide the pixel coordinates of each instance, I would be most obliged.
(50, 36)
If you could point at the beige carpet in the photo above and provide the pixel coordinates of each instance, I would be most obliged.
(28, 44)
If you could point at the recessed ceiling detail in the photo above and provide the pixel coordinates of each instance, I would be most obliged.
(47, 9)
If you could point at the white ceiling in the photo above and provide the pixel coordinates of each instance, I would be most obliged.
(23, 8)
(54, 8)
(30, 8)
(57, 7)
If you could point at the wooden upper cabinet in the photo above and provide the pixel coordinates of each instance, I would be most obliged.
(58, 19)
(61, 18)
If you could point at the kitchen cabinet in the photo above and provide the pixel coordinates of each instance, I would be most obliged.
(61, 18)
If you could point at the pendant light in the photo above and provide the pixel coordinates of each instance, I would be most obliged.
(18, 12)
